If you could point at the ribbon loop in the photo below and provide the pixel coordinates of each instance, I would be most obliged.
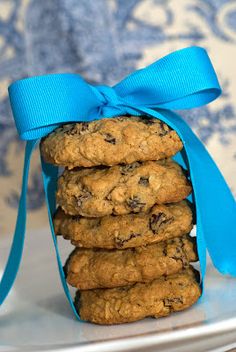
(181, 80)
(41, 103)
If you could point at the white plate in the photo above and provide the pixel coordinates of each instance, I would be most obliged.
(37, 317)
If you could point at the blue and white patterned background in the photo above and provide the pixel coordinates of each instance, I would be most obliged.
(104, 40)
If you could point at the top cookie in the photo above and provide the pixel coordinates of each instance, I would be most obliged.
(121, 140)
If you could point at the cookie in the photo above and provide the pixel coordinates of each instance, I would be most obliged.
(96, 192)
(103, 268)
(161, 223)
(157, 298)
(110, 142)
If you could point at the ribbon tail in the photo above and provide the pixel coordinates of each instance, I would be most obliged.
(215, 204)
(15, 255)
(50, 174)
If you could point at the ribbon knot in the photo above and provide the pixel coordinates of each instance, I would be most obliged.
(111, 103)
(107, 95)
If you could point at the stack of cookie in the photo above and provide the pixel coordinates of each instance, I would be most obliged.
(121, 204)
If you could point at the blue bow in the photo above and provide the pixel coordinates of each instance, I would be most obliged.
(181, 80)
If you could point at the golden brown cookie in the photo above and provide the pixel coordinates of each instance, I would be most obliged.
(96, 192)
(103, 268)
(157, 298)
(161, 223)
(110, 142)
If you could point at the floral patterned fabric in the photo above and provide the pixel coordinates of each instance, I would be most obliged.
(104, 40)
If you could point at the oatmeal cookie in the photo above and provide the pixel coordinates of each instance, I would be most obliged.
(161, 223)
(157, 298)
(110, 142)
(103, 268)
(135, 188)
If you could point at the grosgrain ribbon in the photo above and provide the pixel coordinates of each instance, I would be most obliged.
(180, 80)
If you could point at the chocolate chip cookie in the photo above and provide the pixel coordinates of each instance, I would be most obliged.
(162, 222)
(157, 298)
(100, 268)
(135, 188)
(110, 142)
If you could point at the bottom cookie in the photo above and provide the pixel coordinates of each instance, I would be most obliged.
(157, 298)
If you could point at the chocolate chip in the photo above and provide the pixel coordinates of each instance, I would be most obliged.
(135, 204)
(125, 169)
(109, 138)
(144, 181)
(165, 250)
(179, 254)
(120, 241)
(148, 121)
(158, 220)
(71, 130)
(84, 126)
(164, 129)
(182, 257)
(74, 129)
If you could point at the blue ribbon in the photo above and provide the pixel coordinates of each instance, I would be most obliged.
(184, 79)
